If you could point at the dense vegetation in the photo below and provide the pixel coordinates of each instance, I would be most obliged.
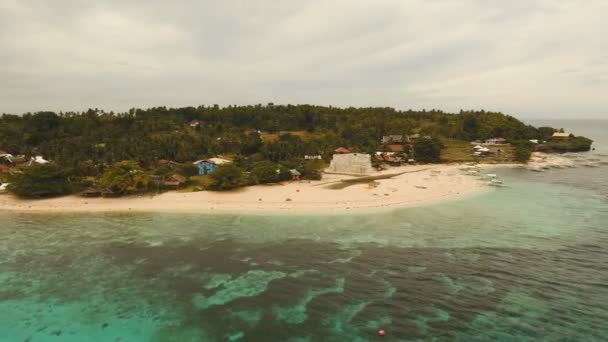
(42, 181)
(576, 144)
(160, 133)
(522, 150)
(427, 151)
(120, 150)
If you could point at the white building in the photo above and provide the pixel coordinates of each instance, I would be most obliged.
(356, 164)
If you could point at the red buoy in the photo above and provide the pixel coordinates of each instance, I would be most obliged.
(381, 332)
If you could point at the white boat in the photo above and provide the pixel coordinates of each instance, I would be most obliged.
(497, 183)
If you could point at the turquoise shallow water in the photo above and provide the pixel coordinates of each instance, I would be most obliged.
(524, 263)
(527, 262)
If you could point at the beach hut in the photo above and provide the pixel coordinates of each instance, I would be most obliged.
(208, 166)
(109, 193)
(295, 174)
(175, 182)
(91, 192)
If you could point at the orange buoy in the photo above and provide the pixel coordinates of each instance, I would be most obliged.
(381, 332)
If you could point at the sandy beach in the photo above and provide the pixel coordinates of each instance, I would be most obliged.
(421, 185)
(415, 186)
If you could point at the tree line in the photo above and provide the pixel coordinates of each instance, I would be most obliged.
(94, 143)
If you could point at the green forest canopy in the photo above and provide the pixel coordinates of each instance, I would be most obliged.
(145, 136)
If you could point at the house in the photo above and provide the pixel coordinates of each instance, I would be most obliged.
(496, 141)
(481, 151)
(343, 150)
(534, 141)
(562, 135)
(175, 182)
(208, 166)
(195, 123)
(38, 160)
(4, 187)
(295, 174)
(4, 168)
(395, 148)
(313, 157)
(355, 164)
(413, 137)
(394, 139)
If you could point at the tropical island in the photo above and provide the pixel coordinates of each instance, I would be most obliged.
(214, 151)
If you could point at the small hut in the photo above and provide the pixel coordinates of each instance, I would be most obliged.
(175, 182)
(109, 193)
(295, 174)
(91, 192)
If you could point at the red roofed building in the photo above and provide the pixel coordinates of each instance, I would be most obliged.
(343, 150)
(395, 148)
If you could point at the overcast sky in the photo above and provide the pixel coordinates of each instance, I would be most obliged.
(529, 58)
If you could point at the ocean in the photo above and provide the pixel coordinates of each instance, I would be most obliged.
(527, 262)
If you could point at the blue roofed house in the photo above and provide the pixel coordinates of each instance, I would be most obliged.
(208, 166)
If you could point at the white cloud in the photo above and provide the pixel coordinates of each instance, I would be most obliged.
(532, 58)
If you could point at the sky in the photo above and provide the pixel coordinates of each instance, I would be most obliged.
(528, 58)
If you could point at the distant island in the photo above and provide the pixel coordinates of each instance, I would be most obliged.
(96, 153)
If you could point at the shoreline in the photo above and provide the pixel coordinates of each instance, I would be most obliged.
(416, 186)
(409, 186)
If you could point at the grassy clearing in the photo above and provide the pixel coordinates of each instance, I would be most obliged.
(271, 137)
(462, 152)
